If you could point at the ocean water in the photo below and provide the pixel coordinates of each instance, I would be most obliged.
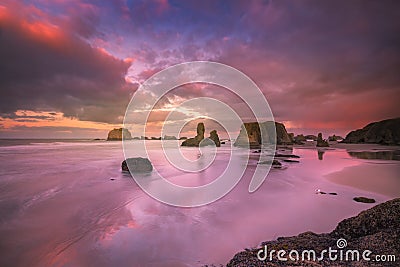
(67, 203)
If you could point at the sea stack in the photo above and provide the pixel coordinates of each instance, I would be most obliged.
(250, 134)
(118, 134)
(212, 140)
(198, 138)
(321, 142)
(215, 138)
(334, 138)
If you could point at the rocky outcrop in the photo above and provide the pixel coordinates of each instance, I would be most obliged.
(364, 200)
(311, 137)
(212, 140)
(214, 137)
(291, 136)
(321, 142)
(334, 138)
(250, 134)
(137, 165)
(117, 134)
(197, 139)
(299, 139)
(386, 132)
(282, 137)
(376, 229)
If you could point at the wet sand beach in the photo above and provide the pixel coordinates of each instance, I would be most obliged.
(69, 204)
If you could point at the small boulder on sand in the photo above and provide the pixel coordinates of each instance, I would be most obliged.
(364, 200)
(138, 165)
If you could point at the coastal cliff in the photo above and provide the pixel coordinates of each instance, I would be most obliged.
(386, 132)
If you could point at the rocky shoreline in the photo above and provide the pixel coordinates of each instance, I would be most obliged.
(376, 229)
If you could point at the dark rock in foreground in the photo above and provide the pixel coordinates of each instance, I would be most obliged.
(138, 165)
(118, 134)
(273, 132)
(386, 132)
(365, 200)
(321, 142)
(376, 229)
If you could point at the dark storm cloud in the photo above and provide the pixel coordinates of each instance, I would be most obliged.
(45, 68)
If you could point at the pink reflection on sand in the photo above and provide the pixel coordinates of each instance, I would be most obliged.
(75, 215)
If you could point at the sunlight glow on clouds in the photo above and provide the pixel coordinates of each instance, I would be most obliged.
(321, 65)
(29, 118)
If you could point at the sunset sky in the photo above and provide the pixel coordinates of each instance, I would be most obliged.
(68, 68)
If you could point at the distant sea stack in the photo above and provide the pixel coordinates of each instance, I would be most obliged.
(250, 134)
(334, 138)
(170, 137)
(386, 132)
(117, 134)
(299, 139)
(321, 142)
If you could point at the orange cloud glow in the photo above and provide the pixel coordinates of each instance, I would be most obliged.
(38, 28)
(43, 31)
(28, 118)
